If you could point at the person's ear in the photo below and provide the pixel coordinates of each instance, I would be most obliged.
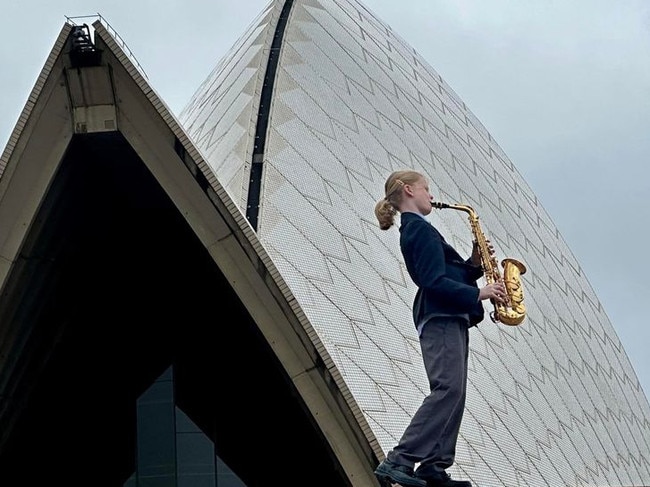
(408, 189)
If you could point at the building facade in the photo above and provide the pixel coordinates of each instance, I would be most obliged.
(222, 272)
(553, 401)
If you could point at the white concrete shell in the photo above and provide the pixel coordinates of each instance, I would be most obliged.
(100, 101)
(552, 402)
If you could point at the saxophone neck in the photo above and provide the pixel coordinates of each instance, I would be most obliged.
(467, 209)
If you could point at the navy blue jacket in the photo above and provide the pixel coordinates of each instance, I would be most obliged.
(446, 283)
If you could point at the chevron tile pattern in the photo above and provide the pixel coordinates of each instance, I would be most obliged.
(552, 402)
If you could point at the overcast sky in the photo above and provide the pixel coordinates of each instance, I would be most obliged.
(562, 86)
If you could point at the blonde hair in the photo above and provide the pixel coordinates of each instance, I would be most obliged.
(387, 207)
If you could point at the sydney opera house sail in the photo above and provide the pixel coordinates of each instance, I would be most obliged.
(206, 298)
(302, 122)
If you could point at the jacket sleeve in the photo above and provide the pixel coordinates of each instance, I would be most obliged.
(477, 270)
(425, 258)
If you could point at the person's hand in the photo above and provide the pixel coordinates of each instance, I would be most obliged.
(476, 252)
(495, 291)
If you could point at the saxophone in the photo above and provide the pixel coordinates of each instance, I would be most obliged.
(513, 311)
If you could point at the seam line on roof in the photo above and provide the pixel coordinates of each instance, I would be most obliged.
(257, 164)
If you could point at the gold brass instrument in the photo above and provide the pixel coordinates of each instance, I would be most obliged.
(513, 311)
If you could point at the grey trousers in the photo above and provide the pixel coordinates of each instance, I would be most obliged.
(430, 438)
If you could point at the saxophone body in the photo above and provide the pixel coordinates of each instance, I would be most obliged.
(513, 311)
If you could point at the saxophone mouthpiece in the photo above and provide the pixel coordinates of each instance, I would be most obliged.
(439, 205)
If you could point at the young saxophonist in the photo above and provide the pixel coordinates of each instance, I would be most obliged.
(447, 303)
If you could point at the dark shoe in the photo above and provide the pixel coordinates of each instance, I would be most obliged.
(391, 473)
(444, 480)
